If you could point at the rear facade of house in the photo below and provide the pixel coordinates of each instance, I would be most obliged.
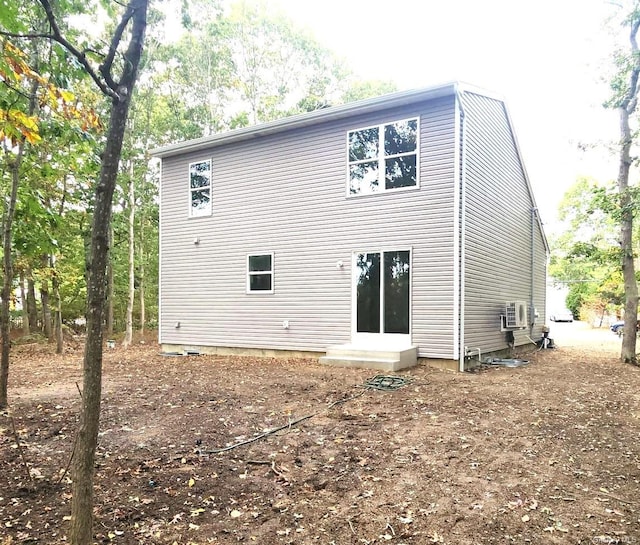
(402, 220)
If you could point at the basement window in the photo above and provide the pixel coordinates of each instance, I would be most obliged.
(260, 273)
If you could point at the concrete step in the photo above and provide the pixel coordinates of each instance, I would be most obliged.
(382, 359)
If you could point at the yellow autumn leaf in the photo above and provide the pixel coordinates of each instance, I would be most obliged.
(191, 482)
(67, 96)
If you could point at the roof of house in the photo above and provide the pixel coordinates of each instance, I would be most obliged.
(317, 116)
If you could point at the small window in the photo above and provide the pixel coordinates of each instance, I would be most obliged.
(383, 158)
(200, 189)
(260, 273)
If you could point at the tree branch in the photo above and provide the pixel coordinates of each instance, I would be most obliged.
(27, 36)
(82, 59)
(106, 67)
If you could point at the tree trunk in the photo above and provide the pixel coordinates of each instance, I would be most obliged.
(58, 312)
(26, 330)
(32, 306)
(44, 300)
(81, 530)
(7, 281)
(626, 108)
(128, 335)
(143, 316)
(628, 354)
(110, 289)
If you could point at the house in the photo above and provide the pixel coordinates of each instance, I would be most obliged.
(374, 232)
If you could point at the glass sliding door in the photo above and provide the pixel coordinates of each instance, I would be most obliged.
(382, 295)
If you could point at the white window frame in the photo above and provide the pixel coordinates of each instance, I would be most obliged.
(255, 273)
(207, 211)
(381, 159)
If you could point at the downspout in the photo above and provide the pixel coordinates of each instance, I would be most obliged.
(461, 233)
(532, 310)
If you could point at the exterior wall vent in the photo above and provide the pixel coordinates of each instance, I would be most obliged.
(515, 315)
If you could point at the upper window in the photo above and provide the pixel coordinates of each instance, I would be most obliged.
(383, 158)
(260, 273)
(200, 188)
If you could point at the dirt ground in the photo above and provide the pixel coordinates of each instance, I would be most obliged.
(544, 453)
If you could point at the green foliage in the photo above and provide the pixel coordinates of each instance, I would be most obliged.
(586, 257)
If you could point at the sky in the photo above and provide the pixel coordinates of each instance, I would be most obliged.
(548, 59)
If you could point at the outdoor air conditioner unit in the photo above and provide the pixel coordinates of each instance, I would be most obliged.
(515, 315)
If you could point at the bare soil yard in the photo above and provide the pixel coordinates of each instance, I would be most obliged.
(546, 453)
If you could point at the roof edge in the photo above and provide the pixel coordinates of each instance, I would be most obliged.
(391, 100)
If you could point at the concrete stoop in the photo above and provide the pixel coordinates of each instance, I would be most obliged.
(383, 359)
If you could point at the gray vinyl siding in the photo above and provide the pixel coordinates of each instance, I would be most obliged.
(497, 228)
(285, 194)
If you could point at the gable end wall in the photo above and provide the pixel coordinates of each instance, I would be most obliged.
(497, 228)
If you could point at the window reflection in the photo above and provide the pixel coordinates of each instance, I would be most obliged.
(368, 293)
(400, 137)
(363, 144)
(364, 178)
(200, 188)
(400, 172)
(383, 158)
(396, 292)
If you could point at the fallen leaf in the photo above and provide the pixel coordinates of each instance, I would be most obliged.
(191, 482)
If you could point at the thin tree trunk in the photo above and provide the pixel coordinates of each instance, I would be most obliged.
(26, 330)
(7, 260)
(58, 311)
(32, 306)
(628, 353)
(143, 316)
(128, 335)
(110, 289)
(7, 282)
(44, 300)
(626, 109)
(81, 531)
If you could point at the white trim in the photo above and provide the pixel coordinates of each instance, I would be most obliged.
(381, 159)
(160, 252)
(249, 273)
(380, 339)
(461, 182)
(458, 333)
(208, 211)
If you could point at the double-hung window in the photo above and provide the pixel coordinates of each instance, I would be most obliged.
(383, 158)
(260, 273)
(200, 189)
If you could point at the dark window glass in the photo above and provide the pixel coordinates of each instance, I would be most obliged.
(368, 293)
(396, 292)
(260, 263)
(400, 172)
(401, 137)
(260, 282)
